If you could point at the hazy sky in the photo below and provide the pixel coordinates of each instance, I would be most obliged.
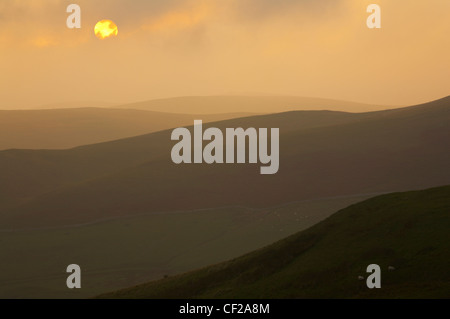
(166, 48)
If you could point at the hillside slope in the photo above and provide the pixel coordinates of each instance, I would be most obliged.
(67, 128)
(360, 153)
(28, 173)
(406, 230)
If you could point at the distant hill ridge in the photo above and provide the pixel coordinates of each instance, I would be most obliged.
(67, 125)
(250, 104)
(67, 128)
(322, 154)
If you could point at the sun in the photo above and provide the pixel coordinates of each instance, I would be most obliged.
(105, 29)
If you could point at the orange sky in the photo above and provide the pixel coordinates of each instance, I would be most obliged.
(166, 48)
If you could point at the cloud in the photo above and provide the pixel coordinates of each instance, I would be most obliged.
(265, 9)
(29, 22)
(195, 47)
(180, 18)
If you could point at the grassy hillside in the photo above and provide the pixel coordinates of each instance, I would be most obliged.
(322, 154)
(408, 231)
(67, 128)
(118, 253)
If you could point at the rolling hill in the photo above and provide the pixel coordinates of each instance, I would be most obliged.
(250, 104)
(63, 126)
(322, 154)
(122, 252)
(408, 231)
(27, 173)
(68, 128)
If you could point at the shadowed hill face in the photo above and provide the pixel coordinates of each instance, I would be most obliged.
(66, 128)
(322, 155)
(408, 231)
(28, 173)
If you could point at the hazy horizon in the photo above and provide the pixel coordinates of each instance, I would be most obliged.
(112, 104)
(119, 104)
(181, 48)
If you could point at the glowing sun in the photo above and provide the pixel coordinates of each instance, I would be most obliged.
(105, 29)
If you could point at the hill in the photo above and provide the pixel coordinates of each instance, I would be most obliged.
(67, 128)
(250, 104)
(122, 252)
(322, 154)
(408, 231)
(28, 173)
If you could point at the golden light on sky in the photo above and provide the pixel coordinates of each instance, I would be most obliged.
(105, 29)
(307, 48)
